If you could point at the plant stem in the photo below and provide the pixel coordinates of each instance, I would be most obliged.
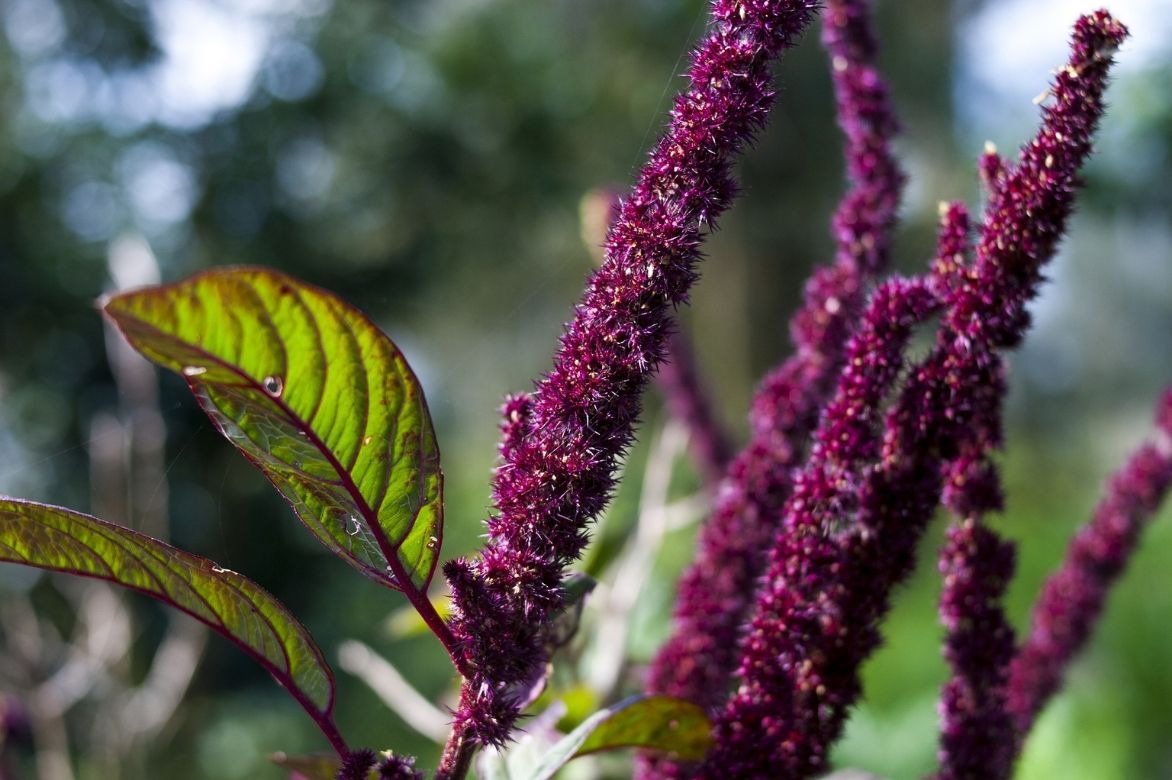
(334, 736)
(457, 759)
(402, 579)
(432, 619)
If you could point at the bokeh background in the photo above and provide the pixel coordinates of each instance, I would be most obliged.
(431, 161)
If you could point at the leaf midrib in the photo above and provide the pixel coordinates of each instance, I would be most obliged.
(400, 579)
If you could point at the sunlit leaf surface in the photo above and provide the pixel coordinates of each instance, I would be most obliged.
(317, 397)
(57, 539)
(674, 727)
(661, 723)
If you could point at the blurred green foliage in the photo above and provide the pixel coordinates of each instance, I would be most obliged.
(426, 160)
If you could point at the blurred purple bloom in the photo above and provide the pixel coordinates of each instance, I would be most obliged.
(1073, 597)
(715, 594)
(800, 616)
(850, 533)
(688, 402)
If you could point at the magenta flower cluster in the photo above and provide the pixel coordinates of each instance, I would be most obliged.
(853, 447)
(1073, 597)
(716, 593)
(867, 492)
(562, 442)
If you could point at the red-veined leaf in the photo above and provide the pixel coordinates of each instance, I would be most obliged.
(317, 397)
(672, 726)
(56, 539)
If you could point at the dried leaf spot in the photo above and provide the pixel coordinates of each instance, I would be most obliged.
(274, 386)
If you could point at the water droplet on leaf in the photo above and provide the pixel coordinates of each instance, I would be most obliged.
(274, 386)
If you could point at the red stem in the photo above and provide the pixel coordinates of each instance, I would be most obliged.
(402, 580)
(457, 759)
(334, 736)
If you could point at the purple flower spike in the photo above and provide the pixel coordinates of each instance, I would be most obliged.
(977, 733)
(716, 593)
(796, 608)
(977, 736)
(1026, 215)
(823, 597)
(559, 471)
(864, 220)
(1073, 597)
(950, 267)
(359, 764)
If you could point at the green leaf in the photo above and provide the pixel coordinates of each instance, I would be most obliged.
(525, 753)
(62, 540)
(564, 625)
(317, 397)
(319, 766)
(675, 727)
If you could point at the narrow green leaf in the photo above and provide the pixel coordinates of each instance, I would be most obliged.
(62, 540)
(522, 756)
(672, 726)
(317, 397)
(316, 767)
